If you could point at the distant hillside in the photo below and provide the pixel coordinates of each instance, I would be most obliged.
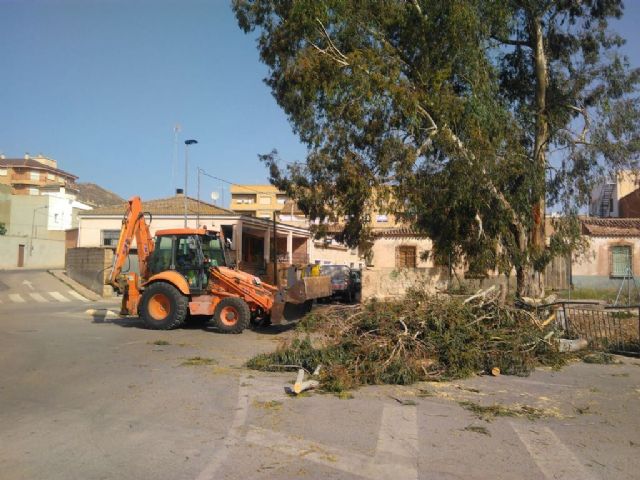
(96, 196)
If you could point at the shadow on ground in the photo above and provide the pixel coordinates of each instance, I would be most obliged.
(292, 313)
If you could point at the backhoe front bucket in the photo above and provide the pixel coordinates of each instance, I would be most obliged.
(305, 289)
(277, 310)
(309, 288)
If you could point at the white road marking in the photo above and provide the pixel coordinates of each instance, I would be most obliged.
(398, 431)
(397, 447)
(38, 298)
(77, 296)
(552, 456)
(59, 297)
(16, 298)
(332, 457)
(233, 436)
(102, 312)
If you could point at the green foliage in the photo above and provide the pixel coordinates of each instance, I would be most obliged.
(447, 115)
(489, 412)
(418, 338)
(601, 358)
(196, 361)
(3, 229)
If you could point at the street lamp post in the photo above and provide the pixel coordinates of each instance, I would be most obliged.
(186, 174)
(198, 207)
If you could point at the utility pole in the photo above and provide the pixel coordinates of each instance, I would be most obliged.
(174, 159)
(186, 174)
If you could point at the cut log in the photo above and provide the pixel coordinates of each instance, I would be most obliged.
(298, 385)
(304, 386)
(551, 318)
(481, 293)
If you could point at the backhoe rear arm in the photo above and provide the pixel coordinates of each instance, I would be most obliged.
(134, 225)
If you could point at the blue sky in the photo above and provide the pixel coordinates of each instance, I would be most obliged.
(100, 84)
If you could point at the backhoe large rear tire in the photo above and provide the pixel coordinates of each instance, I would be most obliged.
(163, 306)
(232, 315)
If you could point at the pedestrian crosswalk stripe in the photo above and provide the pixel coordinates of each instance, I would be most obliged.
(77, 296)
(59, 297)
(15, 297)
(38, 298)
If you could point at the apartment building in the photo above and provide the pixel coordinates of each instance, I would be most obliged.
(610, 197)
(34, 175)
(257, 200)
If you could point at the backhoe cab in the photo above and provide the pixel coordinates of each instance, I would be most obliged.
(187, 273)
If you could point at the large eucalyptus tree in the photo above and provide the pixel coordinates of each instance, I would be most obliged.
(462, 117)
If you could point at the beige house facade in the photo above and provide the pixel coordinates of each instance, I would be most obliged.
(613, 254)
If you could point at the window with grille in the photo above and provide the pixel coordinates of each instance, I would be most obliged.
(110, 238)
(621, 265)
(406, 257)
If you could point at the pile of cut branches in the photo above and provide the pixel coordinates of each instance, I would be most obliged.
(421, 337)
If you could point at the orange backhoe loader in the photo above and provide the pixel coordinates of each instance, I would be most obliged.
(186, 273)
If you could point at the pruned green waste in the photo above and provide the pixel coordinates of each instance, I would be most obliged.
(421, 337)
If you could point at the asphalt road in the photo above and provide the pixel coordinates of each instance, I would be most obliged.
(85, 396)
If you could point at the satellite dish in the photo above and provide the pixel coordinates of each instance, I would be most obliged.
(215, 196)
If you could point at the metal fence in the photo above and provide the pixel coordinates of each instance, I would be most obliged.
(615, 328)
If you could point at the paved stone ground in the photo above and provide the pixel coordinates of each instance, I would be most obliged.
(84, 396)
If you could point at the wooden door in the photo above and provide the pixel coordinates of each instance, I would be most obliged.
(21, 255)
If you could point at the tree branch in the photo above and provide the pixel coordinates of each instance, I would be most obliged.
(418, 8)
(332, 45)
(325, 51)
(515, 220)
(511, 41)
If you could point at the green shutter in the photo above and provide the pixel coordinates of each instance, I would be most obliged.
(620, 261)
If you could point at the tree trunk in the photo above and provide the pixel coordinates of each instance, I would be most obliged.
(534, 286)
(529, 282)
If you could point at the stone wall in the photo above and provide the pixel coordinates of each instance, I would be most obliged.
(387, 283)
(90, 267)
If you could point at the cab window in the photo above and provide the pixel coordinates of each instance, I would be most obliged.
(161, 258)
(212, 250)
(186, 256)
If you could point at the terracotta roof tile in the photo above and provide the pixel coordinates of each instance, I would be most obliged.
(95, 195)
(165, 206)
(611, 227)
(397, 232)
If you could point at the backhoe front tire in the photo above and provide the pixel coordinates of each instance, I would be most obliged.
(163, 307)
(232, 315)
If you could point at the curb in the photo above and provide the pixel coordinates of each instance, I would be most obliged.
(82, 290)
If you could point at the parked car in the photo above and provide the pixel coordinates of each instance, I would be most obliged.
(345, 282)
